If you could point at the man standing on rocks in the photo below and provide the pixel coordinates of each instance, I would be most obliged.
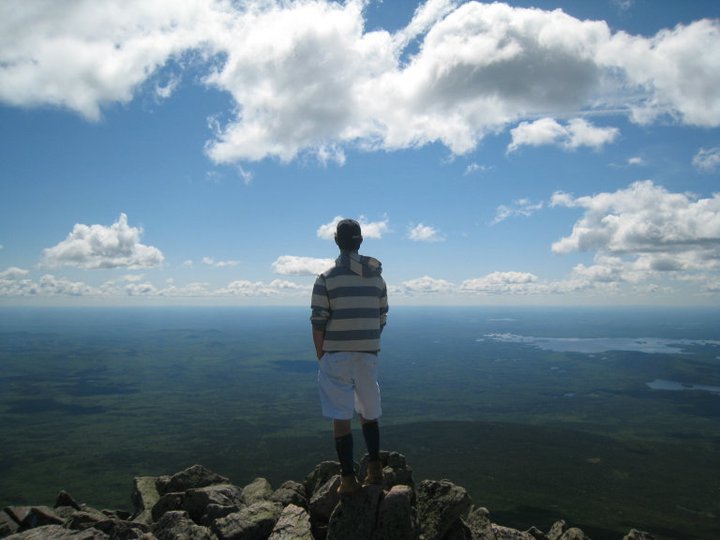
(349, 310)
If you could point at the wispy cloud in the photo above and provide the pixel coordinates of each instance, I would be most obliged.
(424, 233)
(520, 207)
(474, 168)
(707, 159)
(209, 261)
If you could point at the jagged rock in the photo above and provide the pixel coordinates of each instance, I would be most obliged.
(197, 504)
(459, 531)
(17, 513)
(536, 533)
(506, 533)
(256, 491)
(320, 475)
(324, 500)
(291, 492)
(40, 516)
(557, 530)
(58, 532)
(294, 524)
(177, 525)
(397, 518)
(254, 522)
(82, 519)
(479, 522)
(440, 504)
(226, 499)
(354, 516)
(117, 514)
(196, 476)
(635, 534)
(144, 496)
(7, 524)
(215, 511)
(168, 503)
(65, 499)
(120, 529)
(573, 533)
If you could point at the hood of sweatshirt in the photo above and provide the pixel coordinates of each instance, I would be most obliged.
(360, 264)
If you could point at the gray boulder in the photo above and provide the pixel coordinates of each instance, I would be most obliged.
(254, 522)
(573, 533)
(320, 475)
(506, 533)
(58, 532)
(478, 520)
(196, 476)
(459, 531)
(144, 496)
(294, 524)
(167, 503)
(440, 503)
(354, 516)
(557, 530)
(177, 525)
(397, 518)
(65, 499)
(291, 492)
(224, 498)
(324, 500)
(635, 534)
(256, 491)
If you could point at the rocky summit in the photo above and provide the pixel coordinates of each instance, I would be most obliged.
(199, 504)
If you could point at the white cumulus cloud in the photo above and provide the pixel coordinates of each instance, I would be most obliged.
(370, 229)
(426, 285)
(576, 133)
(456, 72)
(501, 283)
(98, 246)
(652, 229)
(291, 265)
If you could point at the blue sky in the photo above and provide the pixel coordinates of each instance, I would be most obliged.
(198, 152)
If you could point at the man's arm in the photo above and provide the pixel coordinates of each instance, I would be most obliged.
(320, 306)
(318, 340)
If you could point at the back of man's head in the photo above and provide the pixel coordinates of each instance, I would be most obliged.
(348, 235)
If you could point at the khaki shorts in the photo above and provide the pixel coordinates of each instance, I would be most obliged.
(347, 383)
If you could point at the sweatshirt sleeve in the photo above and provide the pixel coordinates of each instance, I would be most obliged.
(319, 305)
(383, 306)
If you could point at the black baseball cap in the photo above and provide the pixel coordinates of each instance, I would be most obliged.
(348, 230)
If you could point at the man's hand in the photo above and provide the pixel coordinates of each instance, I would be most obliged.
(318, 340)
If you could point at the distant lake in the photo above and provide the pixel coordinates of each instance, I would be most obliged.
(599, 345)
(659, 384)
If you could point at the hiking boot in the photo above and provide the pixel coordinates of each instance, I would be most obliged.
(349, 485)
(374, 473)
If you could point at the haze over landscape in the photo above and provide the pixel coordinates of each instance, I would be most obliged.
(548, 152)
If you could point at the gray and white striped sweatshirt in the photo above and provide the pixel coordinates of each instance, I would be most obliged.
(349, 302)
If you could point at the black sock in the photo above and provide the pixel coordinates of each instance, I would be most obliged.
(371, 432)
(344, 448)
